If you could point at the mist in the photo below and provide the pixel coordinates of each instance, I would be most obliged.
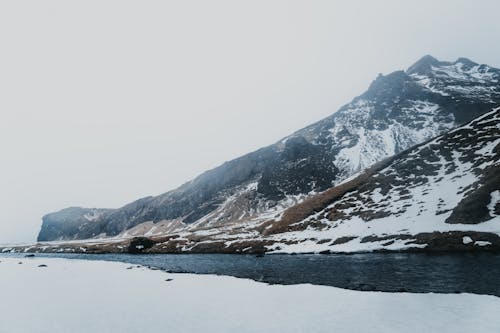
(104, 102)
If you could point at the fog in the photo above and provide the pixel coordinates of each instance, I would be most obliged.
(103, 102)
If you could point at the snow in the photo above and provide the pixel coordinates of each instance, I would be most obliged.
(92, 296)
(495, 199)
(467, 240)
(482, 243)
(373, 145)
(428, 83)
(419, 216)
(478, 81)
(424, 207)
(457, 72)
(376, 196)
(92, 216)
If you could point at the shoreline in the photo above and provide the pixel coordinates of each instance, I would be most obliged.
(432, 242)
(385, 272)
(103, 296)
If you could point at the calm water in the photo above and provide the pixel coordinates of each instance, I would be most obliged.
(449, 273)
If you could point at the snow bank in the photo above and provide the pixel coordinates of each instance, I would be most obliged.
(92, 296)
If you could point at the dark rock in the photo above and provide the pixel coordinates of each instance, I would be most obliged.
(373, 238)
(453, 241)
(139, 244)
(473, 209)
(343, 240)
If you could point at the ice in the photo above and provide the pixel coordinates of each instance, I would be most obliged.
(96, 296)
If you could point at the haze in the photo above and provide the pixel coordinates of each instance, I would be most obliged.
(103, 102)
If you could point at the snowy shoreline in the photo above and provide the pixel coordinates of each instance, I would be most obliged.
(97, 296)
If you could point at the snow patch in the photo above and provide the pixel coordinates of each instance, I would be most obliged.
(467, 240)
(495, 199)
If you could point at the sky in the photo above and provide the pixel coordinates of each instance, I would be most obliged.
(103, 102)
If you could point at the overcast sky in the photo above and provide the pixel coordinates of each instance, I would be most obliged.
(103, 102)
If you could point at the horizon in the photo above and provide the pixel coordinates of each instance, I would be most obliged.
(105, 127)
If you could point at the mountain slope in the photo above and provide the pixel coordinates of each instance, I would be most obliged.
(398, 111)
(443, 194)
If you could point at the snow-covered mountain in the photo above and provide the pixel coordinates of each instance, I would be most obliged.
(398, 111)
(443, 194)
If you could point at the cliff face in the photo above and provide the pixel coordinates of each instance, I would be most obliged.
(397, 111)
(72, 223)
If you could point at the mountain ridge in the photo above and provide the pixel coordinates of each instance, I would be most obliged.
(397, 111)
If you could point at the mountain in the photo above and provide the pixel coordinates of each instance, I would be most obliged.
(398, 111)
(442, 195)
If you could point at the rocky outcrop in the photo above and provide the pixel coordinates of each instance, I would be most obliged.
(71, 223)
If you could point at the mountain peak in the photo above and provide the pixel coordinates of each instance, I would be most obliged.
(465, 62)
(423, 64)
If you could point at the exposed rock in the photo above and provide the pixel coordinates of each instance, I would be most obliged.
(453, 241)
(343, 240)
(139, 244)
(72, 223)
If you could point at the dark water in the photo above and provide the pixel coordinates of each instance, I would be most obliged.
(442, 273)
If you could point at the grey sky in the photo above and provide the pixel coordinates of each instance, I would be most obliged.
(103, 102)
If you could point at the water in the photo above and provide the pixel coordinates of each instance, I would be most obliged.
(442, 273)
